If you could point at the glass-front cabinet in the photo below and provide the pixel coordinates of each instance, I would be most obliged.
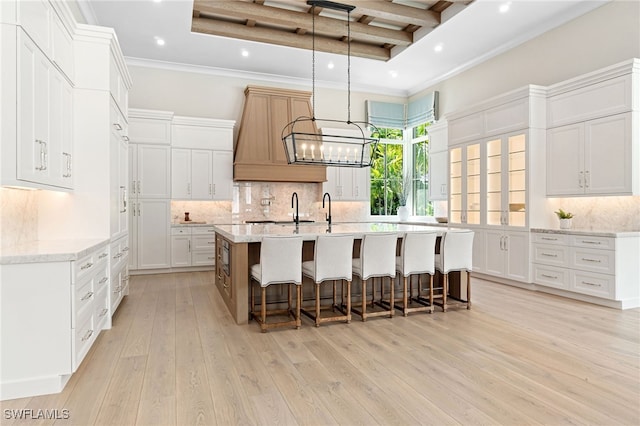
(465, 200)
(506, 180)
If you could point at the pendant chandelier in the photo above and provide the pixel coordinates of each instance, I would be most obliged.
(347, 143)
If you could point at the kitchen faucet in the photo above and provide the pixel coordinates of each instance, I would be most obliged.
(296, 218)
(328, 215)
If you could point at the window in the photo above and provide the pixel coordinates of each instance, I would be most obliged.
(387, 172)
(421, 205)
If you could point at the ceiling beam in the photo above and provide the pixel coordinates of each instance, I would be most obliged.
(291, 39)
(303, 21)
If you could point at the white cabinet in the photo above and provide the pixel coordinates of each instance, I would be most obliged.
(438, 161)
(119, 173)
(593, 140)
(50, 316)
(604, 267)
(591, 158)
(150, 228)
(119, 286)
(149, 171)
(465, 201)
(507, 254)
(192, 246)
(198, 174)
(347, 183)
(37, 116)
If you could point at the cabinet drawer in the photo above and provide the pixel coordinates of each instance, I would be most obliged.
(203, 242)
(182, 230)
(84, 336)
(546, 238)
(101, 308)
(551, 276)
(593, 242)
(83, 299)
(593, 284)
(203, 230)
(602, 261)
(551, 255)
(203, 258)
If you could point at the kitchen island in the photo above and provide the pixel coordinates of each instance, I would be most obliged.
(238, 247)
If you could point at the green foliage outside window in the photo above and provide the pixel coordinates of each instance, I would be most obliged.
(422, 206)
(386, 178)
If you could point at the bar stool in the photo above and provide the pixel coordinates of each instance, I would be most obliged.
(377, 260)
(417, 257)
(331, 262)
(280, 263)
(456, 254)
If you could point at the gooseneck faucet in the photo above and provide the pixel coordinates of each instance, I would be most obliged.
(296, 218)
(327, 215)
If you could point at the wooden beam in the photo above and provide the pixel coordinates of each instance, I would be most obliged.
(287, 18)
(291, 39)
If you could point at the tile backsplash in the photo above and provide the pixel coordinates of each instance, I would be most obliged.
(600, 213)
(18, 216)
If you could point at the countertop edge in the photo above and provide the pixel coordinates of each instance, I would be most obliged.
(585, 232)
(50, 251)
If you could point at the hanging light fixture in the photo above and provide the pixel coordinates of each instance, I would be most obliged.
(351, 144)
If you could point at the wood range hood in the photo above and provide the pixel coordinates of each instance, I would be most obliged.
(259, 153)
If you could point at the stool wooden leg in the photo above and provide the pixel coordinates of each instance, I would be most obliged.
(364, 300)
(431, 292)
(253, 301)
(391, 296)
(263, 310)
(468, 290)
(445, 290)
(405, 301)
(335, 300)
(317, 305)
(298, 303)
(348, 300)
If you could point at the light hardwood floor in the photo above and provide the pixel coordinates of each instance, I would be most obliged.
(175, 357)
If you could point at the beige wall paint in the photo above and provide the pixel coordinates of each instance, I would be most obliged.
(602, 37)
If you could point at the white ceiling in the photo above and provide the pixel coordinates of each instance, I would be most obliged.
(468, 38)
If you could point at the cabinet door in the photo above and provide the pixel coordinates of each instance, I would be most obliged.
(456, 185)
(132, 214)
(33, 112)
(222, 175)
(438, 175)
(515, 181)
(608, 160)
(154, 171)
(517, 252)
(123, 180)
(201, 174)
(181, 174)
(479, 253)
(332, 185)
(494, 248)
(35, 17)
(60, 130)
(473, 175)
(154, 217)
(180, 250)
(361, 183)
(565, 160)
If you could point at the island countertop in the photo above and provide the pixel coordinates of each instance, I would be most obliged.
(251, 233)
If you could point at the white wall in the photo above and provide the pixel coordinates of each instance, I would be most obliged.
(602, 37)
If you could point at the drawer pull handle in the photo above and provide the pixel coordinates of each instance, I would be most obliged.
(591, 260)
(549, 239)
(591, 284)
(87, 335)
(211, 257)
(549, 255)
(210, 230)
(591, 242)
(87, 266)
(102, 256)
(103, 280)
(117, 256)
(225, 285)
(117, 290)
(103, 312)
(87, 296)
(125, 249)
(550, 276)
(210, 242)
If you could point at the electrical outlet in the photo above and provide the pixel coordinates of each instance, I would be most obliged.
(265, 202)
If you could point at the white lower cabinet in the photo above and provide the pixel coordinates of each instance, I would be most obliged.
(603, 267)
(192, 246)
(150, 237)
(507, 254)
(59, 307)
(119, 274)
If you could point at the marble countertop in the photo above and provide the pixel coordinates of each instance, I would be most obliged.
(50, 251)
(589, 232)
(248, 233)
(181, 224)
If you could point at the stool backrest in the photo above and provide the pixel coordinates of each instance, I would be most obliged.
(456, 249)
(378, 255)
(418, 253)
(333, 257)
(281, 260)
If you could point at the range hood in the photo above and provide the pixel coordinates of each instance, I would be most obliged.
(259, 153)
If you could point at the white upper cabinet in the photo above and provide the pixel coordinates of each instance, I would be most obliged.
(150, 127)
(438, 170)
(593, 141)
(222, 175)
(152, 171)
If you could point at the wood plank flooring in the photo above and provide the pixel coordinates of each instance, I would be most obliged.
(175, 357)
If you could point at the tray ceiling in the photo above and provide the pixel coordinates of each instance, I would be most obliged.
(377, 27)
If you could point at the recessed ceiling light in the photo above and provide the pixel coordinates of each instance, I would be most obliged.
(438, 47)
(330, 65)
(157, 1)
(159, 41)
(245, 53)
(393, 74)
(504, 7)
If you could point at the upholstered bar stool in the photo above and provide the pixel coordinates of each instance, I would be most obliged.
(456, 254)
(417, 257)
(280, 264)
(331, 262)
(377, 260)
